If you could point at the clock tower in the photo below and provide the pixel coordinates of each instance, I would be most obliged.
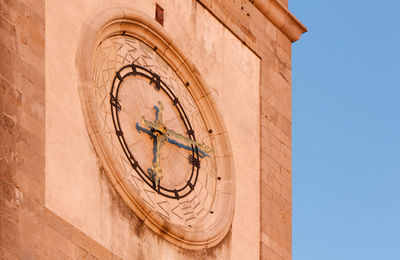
(146, 129)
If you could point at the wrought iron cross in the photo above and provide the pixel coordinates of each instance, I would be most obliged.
(160, 134)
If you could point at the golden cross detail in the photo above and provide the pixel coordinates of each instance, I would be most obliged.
(161, 134)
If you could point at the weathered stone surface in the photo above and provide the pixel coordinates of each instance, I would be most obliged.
(28, 230)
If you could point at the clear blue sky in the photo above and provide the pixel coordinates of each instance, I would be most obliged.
(346, 130)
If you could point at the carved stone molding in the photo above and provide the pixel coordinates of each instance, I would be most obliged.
(211, 228)
(281, 17)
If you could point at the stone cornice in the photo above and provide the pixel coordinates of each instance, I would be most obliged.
(281, 17)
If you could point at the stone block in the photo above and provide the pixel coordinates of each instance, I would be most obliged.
(58, 241)
(7, 63)
(81, 253)
(58, 224)
(284, 42)
(9, 9)
(8, 237)
(34, 108)
(268, 254)
(12, 100)
(29, 90)
(8, 159)
(32, 187)
(277, 132)
(89, 246)
(7, 33)
(10, 197)
(49, 252)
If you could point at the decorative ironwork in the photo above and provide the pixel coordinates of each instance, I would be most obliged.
(153, 175)
(194, 161)
(159, 132)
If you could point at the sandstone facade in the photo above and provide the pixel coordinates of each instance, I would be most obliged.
(32, 226)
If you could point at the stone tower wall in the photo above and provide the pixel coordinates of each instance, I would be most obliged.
(29, 230)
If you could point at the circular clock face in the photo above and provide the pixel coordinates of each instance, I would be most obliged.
(157, 134)
(168, 133)
(154, 131)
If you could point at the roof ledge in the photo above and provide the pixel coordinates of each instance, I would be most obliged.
(281, 17)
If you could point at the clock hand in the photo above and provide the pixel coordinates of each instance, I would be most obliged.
(144, 130)
(155, 168)
(157, 126)
(161, 133)
(149, 124)
(159, 110)
(206, 149)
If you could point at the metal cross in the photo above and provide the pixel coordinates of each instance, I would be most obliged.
(160, 134)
